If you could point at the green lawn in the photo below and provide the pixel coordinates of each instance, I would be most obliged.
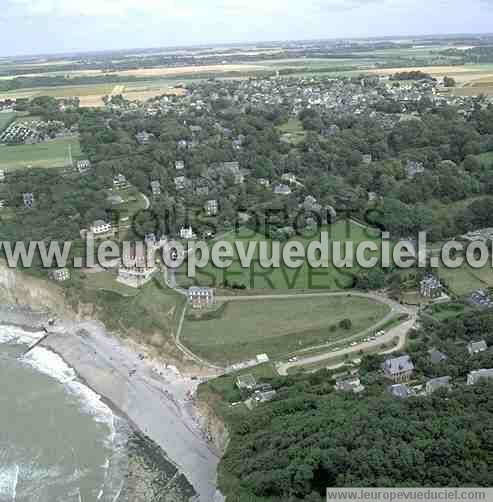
(5, 119)
(464, 280)
(295, 128)
(278, 327)
(283, 277)
(106, 281)
(53, 153)
(150, 316)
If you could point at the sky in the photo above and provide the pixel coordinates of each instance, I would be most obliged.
(61, 26)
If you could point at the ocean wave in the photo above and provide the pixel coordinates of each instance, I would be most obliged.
(47, 362)
(11, 335)
(9, 477)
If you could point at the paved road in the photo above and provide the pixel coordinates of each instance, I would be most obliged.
(398, 331)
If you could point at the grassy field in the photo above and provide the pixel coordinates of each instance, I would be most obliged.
(150, 316)
(106, 281)
(465, 279)
(283, 277)
(278, 327)
(6, 119)
(53, 153)
(295, 129)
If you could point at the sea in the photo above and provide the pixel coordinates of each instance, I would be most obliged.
(59, 440)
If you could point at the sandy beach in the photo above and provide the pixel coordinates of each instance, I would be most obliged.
(154, 397)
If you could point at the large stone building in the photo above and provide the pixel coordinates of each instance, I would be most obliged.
(201, 297)
(398, 369)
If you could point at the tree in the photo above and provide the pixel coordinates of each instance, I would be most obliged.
(448, 81)
(346, 324)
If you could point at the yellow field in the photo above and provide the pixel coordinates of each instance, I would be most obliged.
(461, 74)
(92, 95)
(150, 72)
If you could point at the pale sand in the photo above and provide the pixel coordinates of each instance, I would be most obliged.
(154, 399)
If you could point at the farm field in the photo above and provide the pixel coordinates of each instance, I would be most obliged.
(283, 277)
(461, 73)
(92, 95)
(53, 153)
(277, 327)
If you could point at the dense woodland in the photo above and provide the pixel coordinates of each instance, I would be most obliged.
(312, 438)
(296, 446)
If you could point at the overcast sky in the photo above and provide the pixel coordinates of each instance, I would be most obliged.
(46, 26)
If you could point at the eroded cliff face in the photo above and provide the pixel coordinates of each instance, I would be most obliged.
(22, 289)
(212, 425)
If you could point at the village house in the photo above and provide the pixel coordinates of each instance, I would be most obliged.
(59, 275)
(2, 175)
(263, 182)
(83, 166)
(179, 165)
(135, 269)
(100, 227)
(398, 369)
(438, 383)
(232, 169)
(281, 189)
(211, 207)
(367, 159)
(186, 233)
(483, 374)
(262, 358)
(246, 382)
(430, 287)
(119, 181)
(201, 297)
(156, 188)
(180, 182)
(436, 356)
(28, 199)
(289, 178)
(264, 396)
(401, 391)
(413, 168)
(143, 137)
(476, 347)
(349, 384)
(115, 199)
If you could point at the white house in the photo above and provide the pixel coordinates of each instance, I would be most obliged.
(100, 227)
(211, 207)
(186, 233)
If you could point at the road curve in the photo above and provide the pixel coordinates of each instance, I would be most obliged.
(399, 331)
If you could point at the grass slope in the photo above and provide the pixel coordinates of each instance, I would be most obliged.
(277, 327)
